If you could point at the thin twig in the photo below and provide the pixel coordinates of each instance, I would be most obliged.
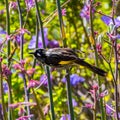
(116, 62)
(46, 67)
(54, 12)
(96, 60)
(69, 91)
(21, 57)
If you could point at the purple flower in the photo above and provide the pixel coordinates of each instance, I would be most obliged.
(85, 12)
(53, 44)
(65, 117)
(117, 21)
(5, 87)
(44, 80)
(1, 111)
(74, 79)
(113, 37)
(13, 5)
(40, 44)
(2, 31)
(1, 12)
(108, 20)
(29, 4)
(43, 12)
(109, 110)
(74, 102)
(17, 39)
(2, 35)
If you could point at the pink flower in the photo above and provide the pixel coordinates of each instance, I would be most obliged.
(21, 111)
(95, 33)
(25, 117)
(99, 47)
(8, 37)
(46, 109)
(20, 66)
(95, 87)
(88, 105)
(13, 5)
(6, 71)
(16, 105)
(103, 94)
(16, 66)
(1, 59)
(31, 71)
(64, 12)
(13, 106)
(118, 52)
(23, 31)
(33, 83)
(22, 62)
(113, 37)
(20, 32)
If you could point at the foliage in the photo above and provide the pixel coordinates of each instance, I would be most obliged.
(91, 27)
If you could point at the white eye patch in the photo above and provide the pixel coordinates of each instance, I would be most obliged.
(38, 54)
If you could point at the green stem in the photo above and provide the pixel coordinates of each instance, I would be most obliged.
(69, 96)
(96, 60)
(116, 80)
(50, 93)
(85, 31)
(61, 23)
(2, 94)
(37, 38)
(116, 61)
(21, 56)
(40, 112)
(40, 23)
(95, 105)
(10, 113)
(21, 26)
(47, 68)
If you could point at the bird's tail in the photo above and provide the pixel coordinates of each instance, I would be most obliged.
(91, 67)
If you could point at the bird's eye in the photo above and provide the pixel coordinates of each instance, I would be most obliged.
(38, 54)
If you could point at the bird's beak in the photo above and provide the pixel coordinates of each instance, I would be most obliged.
(32, 53)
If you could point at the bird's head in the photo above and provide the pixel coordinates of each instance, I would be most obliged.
(38, 53)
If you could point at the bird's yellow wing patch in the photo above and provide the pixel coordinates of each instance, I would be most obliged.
(66, 62)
